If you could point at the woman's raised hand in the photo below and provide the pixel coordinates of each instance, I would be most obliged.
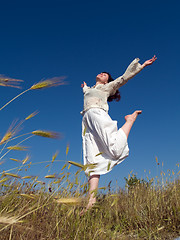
(150, 61)
(83, 84)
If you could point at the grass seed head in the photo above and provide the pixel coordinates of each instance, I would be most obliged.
(17, 148)
(47, 134)
(31, 115)
(90, 166)
(27, 177)
(31, 196)
(84, 132)
(54, 157)
(67, 149)
(10, 133)
(15, 160)
(77, 164)
(52, 82)
(57, 181)
(12, 175)
(42, 183)
(6, 137)
(109, 165)
(99, 154)
(65, 165)
(72, 200)
(8, 220)
(50, 176)
(26, 159)
(4, 179)
(9, 82)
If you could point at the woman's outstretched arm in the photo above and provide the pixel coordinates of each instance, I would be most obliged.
(133, 69)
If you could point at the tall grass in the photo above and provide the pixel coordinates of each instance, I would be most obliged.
(142, 212)
(32, 209)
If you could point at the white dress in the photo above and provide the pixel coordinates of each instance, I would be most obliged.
(103, 144)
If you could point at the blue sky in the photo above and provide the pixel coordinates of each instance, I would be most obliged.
(79, 39)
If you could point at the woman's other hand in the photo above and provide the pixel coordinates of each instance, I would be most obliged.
(150, 61)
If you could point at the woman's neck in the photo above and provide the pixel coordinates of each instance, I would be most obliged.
(97, 83)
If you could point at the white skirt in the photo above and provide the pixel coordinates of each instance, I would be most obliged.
(103, 144)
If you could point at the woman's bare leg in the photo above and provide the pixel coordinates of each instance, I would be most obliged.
(130, 119)
(93, 186)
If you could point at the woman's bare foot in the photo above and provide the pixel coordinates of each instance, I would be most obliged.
(90, 204)
(86, 209)
(132, 117)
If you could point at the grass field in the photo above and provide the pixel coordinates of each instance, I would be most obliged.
(30, 210)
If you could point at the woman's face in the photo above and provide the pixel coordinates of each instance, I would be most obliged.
(102, 78)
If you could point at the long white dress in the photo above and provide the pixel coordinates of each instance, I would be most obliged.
(103, 144)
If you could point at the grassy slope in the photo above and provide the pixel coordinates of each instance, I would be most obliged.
(143, 212)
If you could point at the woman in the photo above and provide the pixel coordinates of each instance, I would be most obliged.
(104, 146)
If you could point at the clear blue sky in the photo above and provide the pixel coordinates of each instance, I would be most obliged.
(79, 39)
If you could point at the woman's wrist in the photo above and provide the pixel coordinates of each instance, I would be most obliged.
(144, 65)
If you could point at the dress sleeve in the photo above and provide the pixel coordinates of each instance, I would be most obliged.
(134, 68)
(85, 88)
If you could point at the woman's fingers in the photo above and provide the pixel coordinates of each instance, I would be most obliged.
(154, 58)
(150, 61)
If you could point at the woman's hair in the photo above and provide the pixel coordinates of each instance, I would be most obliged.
(117, 95)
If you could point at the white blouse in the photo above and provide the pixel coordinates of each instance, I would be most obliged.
(96, 96)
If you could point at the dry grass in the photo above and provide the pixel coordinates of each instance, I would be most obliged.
(142, 212)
